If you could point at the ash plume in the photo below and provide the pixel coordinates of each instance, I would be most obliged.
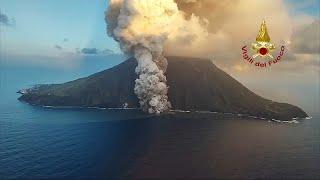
(141, 27)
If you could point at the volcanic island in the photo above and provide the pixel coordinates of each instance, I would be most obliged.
(194, 85)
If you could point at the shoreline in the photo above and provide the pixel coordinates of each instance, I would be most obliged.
(294, 120)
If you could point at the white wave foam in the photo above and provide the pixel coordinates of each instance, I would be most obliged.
(288, 122)
(178, 110)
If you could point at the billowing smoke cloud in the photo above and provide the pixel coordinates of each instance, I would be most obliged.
(207, 28)
(230, 24)
(141, 27)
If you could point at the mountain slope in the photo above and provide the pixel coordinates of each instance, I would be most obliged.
(194, 84)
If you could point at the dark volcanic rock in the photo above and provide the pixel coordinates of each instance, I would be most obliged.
(194, 84)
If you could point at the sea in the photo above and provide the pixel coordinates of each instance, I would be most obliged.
(77, 143)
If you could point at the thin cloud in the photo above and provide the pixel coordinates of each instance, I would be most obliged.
(95, 51)
(89, 51)
(108, 51)
(4, 20)
(58, 47)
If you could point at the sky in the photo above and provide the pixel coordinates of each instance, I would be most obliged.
(46, 27)
(309, 7)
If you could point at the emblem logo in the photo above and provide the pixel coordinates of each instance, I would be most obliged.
(262, 49)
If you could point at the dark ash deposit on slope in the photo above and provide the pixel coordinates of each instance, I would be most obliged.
(194, 84)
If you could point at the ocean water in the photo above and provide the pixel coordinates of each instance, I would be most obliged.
(38, 142)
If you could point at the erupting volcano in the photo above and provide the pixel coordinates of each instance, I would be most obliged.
(144, 29)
